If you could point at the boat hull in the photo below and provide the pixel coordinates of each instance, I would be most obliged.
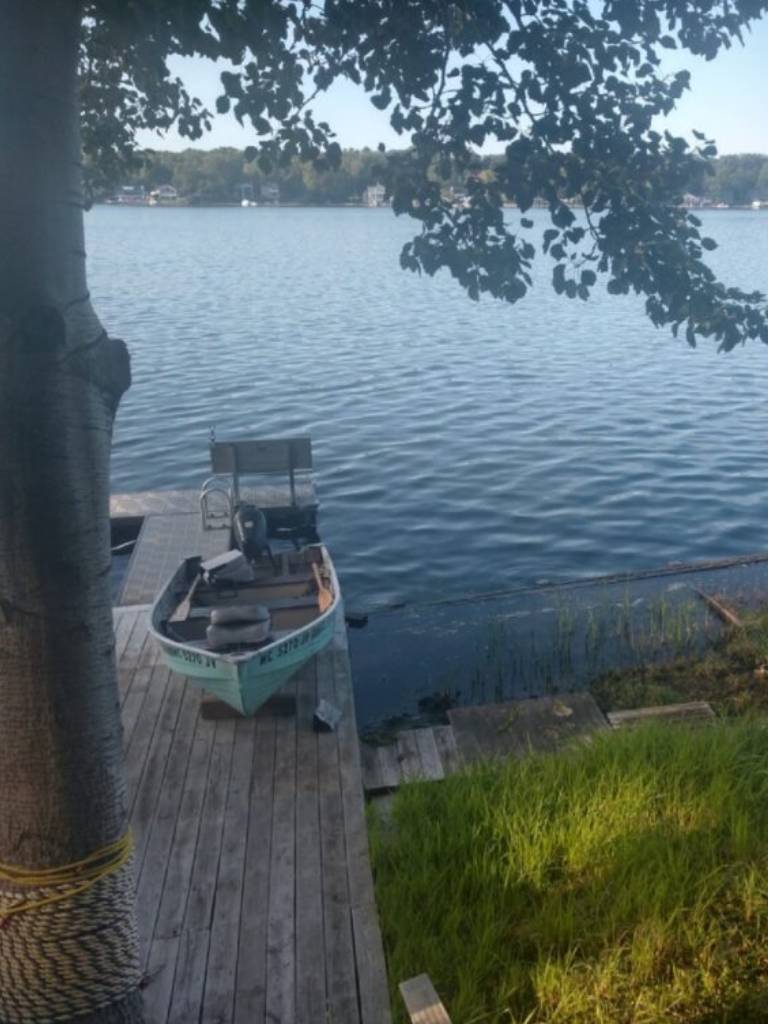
(244, 681)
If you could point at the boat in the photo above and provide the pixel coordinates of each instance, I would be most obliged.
(241, 624)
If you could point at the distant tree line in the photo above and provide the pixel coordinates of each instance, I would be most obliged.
(737, 180)
(224, 176)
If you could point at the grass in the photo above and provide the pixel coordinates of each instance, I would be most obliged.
(731, 674)
(621, 881)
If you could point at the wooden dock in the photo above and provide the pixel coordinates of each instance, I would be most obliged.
(512, 729)
(255, 893)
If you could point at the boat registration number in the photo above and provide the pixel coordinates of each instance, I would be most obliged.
(192, 657)
(293, 643)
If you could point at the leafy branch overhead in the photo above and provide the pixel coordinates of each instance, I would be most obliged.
(571, 91)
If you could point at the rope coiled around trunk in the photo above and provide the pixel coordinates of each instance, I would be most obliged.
(68, 939)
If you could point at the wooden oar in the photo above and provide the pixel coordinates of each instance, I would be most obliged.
(182, 612)
(324, 595)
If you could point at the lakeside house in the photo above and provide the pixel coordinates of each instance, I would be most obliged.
(131, 195)
(164, 194)
(270, 192)
(375, 195)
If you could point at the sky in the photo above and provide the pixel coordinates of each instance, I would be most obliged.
(728, 100)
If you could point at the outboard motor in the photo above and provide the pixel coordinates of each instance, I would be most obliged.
(250, 529)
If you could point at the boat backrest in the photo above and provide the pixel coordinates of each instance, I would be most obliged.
(268, 455)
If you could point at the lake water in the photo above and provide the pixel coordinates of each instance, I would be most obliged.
(459, 447)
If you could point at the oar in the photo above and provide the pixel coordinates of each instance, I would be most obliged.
(324, 595)
(182, 612)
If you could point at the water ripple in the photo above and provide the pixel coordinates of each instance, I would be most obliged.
(459, 446)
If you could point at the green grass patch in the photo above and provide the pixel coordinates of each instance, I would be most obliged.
(621, 881)
(732, 675)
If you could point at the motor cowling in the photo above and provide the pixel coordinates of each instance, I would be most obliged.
(250, 530)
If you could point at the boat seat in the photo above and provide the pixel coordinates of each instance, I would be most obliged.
(237, 614)
(249, 634)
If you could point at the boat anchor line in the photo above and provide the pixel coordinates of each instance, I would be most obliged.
(358, 619)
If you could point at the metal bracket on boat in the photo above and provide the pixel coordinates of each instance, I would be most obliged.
(217, 513)
(326, 717)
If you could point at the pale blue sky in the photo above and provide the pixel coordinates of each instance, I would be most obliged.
(728, 100)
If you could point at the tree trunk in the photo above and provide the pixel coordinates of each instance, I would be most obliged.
(62, 792)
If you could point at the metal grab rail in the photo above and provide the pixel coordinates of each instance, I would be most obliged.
(214, 519)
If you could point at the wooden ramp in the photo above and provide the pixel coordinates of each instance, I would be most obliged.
(428, 754)
(255, 893)
(513, 729)
(520, 727)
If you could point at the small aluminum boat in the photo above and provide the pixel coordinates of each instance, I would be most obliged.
(240, 628)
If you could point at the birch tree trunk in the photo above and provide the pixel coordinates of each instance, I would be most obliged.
(62, 793)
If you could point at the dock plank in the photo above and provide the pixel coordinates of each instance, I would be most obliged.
(203, 888)
(431, 764)
(409, 756)
(251, 980)
(281, 921)
(422, 1002)
(339, 942)
(310, 942)
(159, 980)
(445, 742)
(157, 858)
(692, 712)
(218, 1002)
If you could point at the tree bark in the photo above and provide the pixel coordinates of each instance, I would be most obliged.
(61, 377)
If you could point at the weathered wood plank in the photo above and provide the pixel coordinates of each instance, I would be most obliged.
(431, 764)
(145, 805)
(516, 728)
(409, 756)
(339, 943)
(189, 980)
(141, 648)
(159, 980)
(141, 735)
(370, 767)
(202, 890)
(690, 712)
(157, 858)
(251, 982)
(422, 1002)
(390, 769)
(173, 902)
(219, 998)
(371, 965)
(310, 941)
(149, 676)
(125, 620)
(445, 742)
(369, 949)
(281, 923)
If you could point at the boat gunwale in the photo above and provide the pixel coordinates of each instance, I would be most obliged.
(239, 659)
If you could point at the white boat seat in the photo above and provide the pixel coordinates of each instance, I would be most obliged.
(249, 634)
(238, 614)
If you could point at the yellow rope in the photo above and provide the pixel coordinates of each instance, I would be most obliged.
(71, 879)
